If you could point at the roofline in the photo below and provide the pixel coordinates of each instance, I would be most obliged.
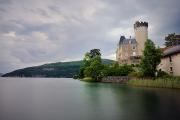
(168, 52)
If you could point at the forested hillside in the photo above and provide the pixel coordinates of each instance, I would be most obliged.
(59, 69)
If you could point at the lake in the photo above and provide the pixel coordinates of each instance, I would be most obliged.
(69, 99)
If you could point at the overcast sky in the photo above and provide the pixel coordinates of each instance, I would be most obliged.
(34, 32)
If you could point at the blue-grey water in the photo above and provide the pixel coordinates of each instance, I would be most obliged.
(68, 99)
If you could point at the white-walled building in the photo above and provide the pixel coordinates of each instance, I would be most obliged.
(170, 62)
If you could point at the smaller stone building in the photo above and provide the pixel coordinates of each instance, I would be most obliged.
(170, 62)
(127, 51)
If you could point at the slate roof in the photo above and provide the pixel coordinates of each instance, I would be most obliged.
(123, 40)
(171, 50)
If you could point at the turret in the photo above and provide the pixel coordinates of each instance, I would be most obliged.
(141, 35)
(140, 24)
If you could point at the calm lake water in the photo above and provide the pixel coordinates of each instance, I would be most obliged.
(68, 99)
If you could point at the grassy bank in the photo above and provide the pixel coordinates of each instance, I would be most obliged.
(88, 79)
(158, 83)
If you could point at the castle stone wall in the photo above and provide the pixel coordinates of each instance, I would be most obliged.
(130, 53)
(141, 35)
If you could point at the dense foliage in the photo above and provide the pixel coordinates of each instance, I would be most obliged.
(172, 39)
(92, 65)
(94, 69)
(150, 59)
(116, 70)
(59, 69)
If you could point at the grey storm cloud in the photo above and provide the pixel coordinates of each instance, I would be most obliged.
(33, 32)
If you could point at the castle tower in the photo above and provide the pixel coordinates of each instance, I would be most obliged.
(141, 35)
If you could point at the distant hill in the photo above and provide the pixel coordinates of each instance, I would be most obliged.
(59, 69)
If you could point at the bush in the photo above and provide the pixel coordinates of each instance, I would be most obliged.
(162, 74)
(116, 70)
(75, 77)
(136, 74)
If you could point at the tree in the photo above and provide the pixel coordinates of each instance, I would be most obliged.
(94, 52)
(81, 72)
(94, 69)
(92, 64)
(150, 59)
(89, 56)
(172, 39)
(87, 59)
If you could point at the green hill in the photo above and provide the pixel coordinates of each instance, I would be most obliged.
(59, 69)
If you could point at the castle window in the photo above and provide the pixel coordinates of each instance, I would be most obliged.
(134, 47)
(171, 69)
(134, 53)
(170, 59)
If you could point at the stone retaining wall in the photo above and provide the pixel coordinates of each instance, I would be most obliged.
(116, 79)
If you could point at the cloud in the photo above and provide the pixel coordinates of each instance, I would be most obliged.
(34, 32)
(116, 31)
(10, 34)
(23, 50)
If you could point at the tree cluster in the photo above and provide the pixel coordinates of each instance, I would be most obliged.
(150, 59)
(95, 69)
(172, 39)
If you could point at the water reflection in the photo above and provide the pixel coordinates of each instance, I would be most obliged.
(68, 99)
(135, 103)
